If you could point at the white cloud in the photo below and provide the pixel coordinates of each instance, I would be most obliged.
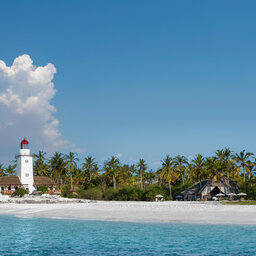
(78, 150)
(26, 110)
(119, 155)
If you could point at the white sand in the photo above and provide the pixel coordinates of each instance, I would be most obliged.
(183, 212)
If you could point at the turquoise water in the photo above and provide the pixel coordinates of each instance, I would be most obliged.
(66, 237)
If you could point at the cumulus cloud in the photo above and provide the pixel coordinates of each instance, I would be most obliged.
(26, 110)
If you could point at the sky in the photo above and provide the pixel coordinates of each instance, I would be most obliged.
(133, 79)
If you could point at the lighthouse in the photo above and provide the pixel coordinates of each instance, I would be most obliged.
(25, 166)
(25, 178)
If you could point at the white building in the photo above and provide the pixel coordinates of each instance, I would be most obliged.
(25, 166)
(25, 177)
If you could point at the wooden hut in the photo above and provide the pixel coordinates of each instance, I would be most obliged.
(8, 184)
(45, 181)
(207, 189)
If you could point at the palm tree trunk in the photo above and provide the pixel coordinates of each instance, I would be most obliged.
(170, 188)
(71, 185)
(114, 181)
(244, 182)
(182, 176)
(141, 185)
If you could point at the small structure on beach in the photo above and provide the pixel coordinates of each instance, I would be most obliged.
(207, 189)
(159, 198)
(25, 178)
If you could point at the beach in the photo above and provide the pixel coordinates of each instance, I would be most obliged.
(159, 212)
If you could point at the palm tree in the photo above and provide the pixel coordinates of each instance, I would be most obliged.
(180, 163)
(160, 181)
(243, 161)
(124, 174)
(112, 166)
(40, 166)
(133, 172)
(2, 170)
(210, 167)
(220, 165)
(215, 168)
(251, 170)
(150, 176)
(71, 160)
(78, 176)
(142, 167)
(57, 167)
(168, 172)
(90, 167)
(14, 162)
(224, 167)
(10, 171)
(198, 168)
(229, 166)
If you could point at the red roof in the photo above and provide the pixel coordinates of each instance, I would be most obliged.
(24, 142)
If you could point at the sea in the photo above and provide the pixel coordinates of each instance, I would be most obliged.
(38, 236)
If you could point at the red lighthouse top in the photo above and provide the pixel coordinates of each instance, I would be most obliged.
(24, 144)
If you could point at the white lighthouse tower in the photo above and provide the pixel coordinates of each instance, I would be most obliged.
(25, 166)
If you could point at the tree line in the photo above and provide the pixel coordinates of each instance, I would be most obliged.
(175, 174)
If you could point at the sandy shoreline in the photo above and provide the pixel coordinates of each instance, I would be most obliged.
(165, 212)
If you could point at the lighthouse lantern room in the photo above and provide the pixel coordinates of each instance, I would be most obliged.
(25, 166)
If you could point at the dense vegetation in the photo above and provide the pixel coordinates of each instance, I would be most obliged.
(20, 192)
(117, 181)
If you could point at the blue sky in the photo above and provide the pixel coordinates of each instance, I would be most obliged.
(142, 78)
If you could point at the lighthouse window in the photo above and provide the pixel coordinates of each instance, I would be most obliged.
(26, 161)
(27, 174)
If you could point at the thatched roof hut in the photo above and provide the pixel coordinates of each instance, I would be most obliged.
(43, 181)
(209, 188)
(10, 181)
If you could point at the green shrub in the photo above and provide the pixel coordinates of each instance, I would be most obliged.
(169, 198)
(70, 195)
(109, 194)
(91, 193)
(43, 188)
(123, 194)
(134, 193)
(65, 191)
(250, 187)
(20, 192)
(150, 192)
(128, 194)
